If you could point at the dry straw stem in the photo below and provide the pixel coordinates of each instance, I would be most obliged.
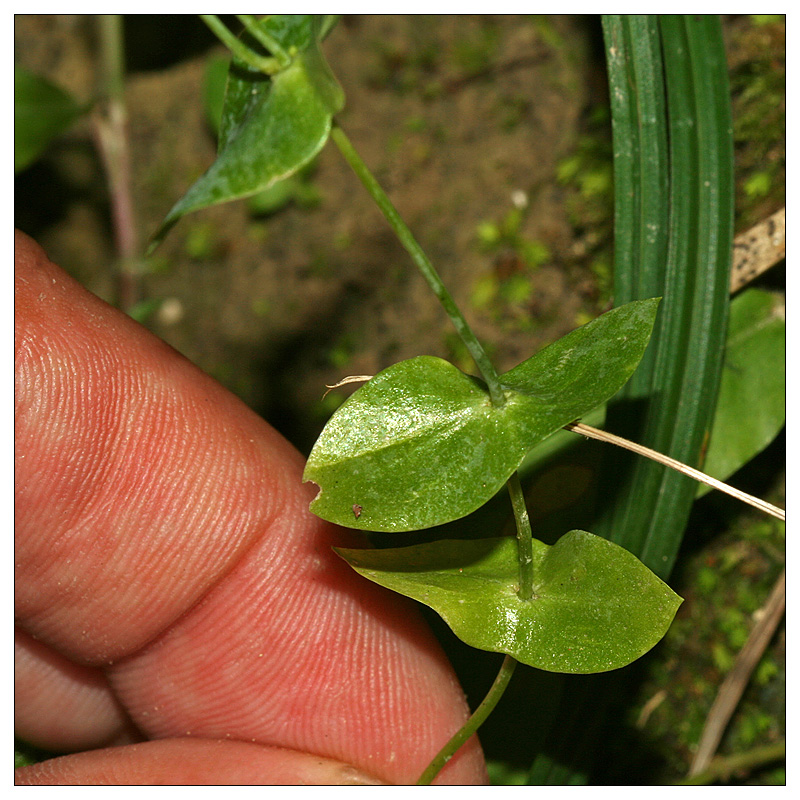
(345, 381)
(758, 249)
(602, 436)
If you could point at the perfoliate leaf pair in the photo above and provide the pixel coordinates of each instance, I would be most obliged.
(596, 607)
(421, 444)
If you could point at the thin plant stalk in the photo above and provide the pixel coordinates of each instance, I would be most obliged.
(722, 767)
(524, 538)
(423, 263)
(471, 726)
(264, 39)
(110, 124)
(654, 455)
(266, 64)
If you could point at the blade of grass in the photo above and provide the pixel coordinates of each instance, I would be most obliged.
(641, 165)
(676, 385)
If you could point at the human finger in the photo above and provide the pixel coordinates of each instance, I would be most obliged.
(191, 762)
(163, 531)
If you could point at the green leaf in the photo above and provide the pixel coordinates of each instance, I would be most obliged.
(753, 387)
(596, 606)
(214, 82)
(421, 444)
(42, 111)
(590, 364)
(673, 238)
(271, 126)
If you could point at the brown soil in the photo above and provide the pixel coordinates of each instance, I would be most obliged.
(454, 114)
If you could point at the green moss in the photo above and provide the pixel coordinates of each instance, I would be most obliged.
(342, 240)
(722, 656)
(586, 175)
(261, 307)
(504, 292)
(484, 291)
(506, 234)
(517, 289)
(258, 231)
(474, 55)
(758, 91)
(415, 124)
(707, 580)
(766, 670)
(341, 353)
(768, 19)
(489, 235)
(758, 184)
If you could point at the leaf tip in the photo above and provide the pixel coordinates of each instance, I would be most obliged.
(161, 233)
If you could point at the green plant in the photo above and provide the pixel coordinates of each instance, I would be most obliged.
(505, 414)
(42, 111)
(423, 444)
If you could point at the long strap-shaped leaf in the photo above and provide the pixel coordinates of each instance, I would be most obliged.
(677, 383)
(673, 238)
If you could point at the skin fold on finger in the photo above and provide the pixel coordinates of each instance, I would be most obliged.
(192, 762)
(155, 507)
(377, 675)
(88, 713)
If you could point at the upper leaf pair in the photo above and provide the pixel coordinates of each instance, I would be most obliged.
(422, 444)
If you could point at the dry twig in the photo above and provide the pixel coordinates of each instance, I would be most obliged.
(736, 680)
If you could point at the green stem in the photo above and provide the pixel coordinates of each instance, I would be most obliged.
(267, 65)
(524, 538)
(722, 767)
(425, 267)
(472, 724)
(265, 39)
